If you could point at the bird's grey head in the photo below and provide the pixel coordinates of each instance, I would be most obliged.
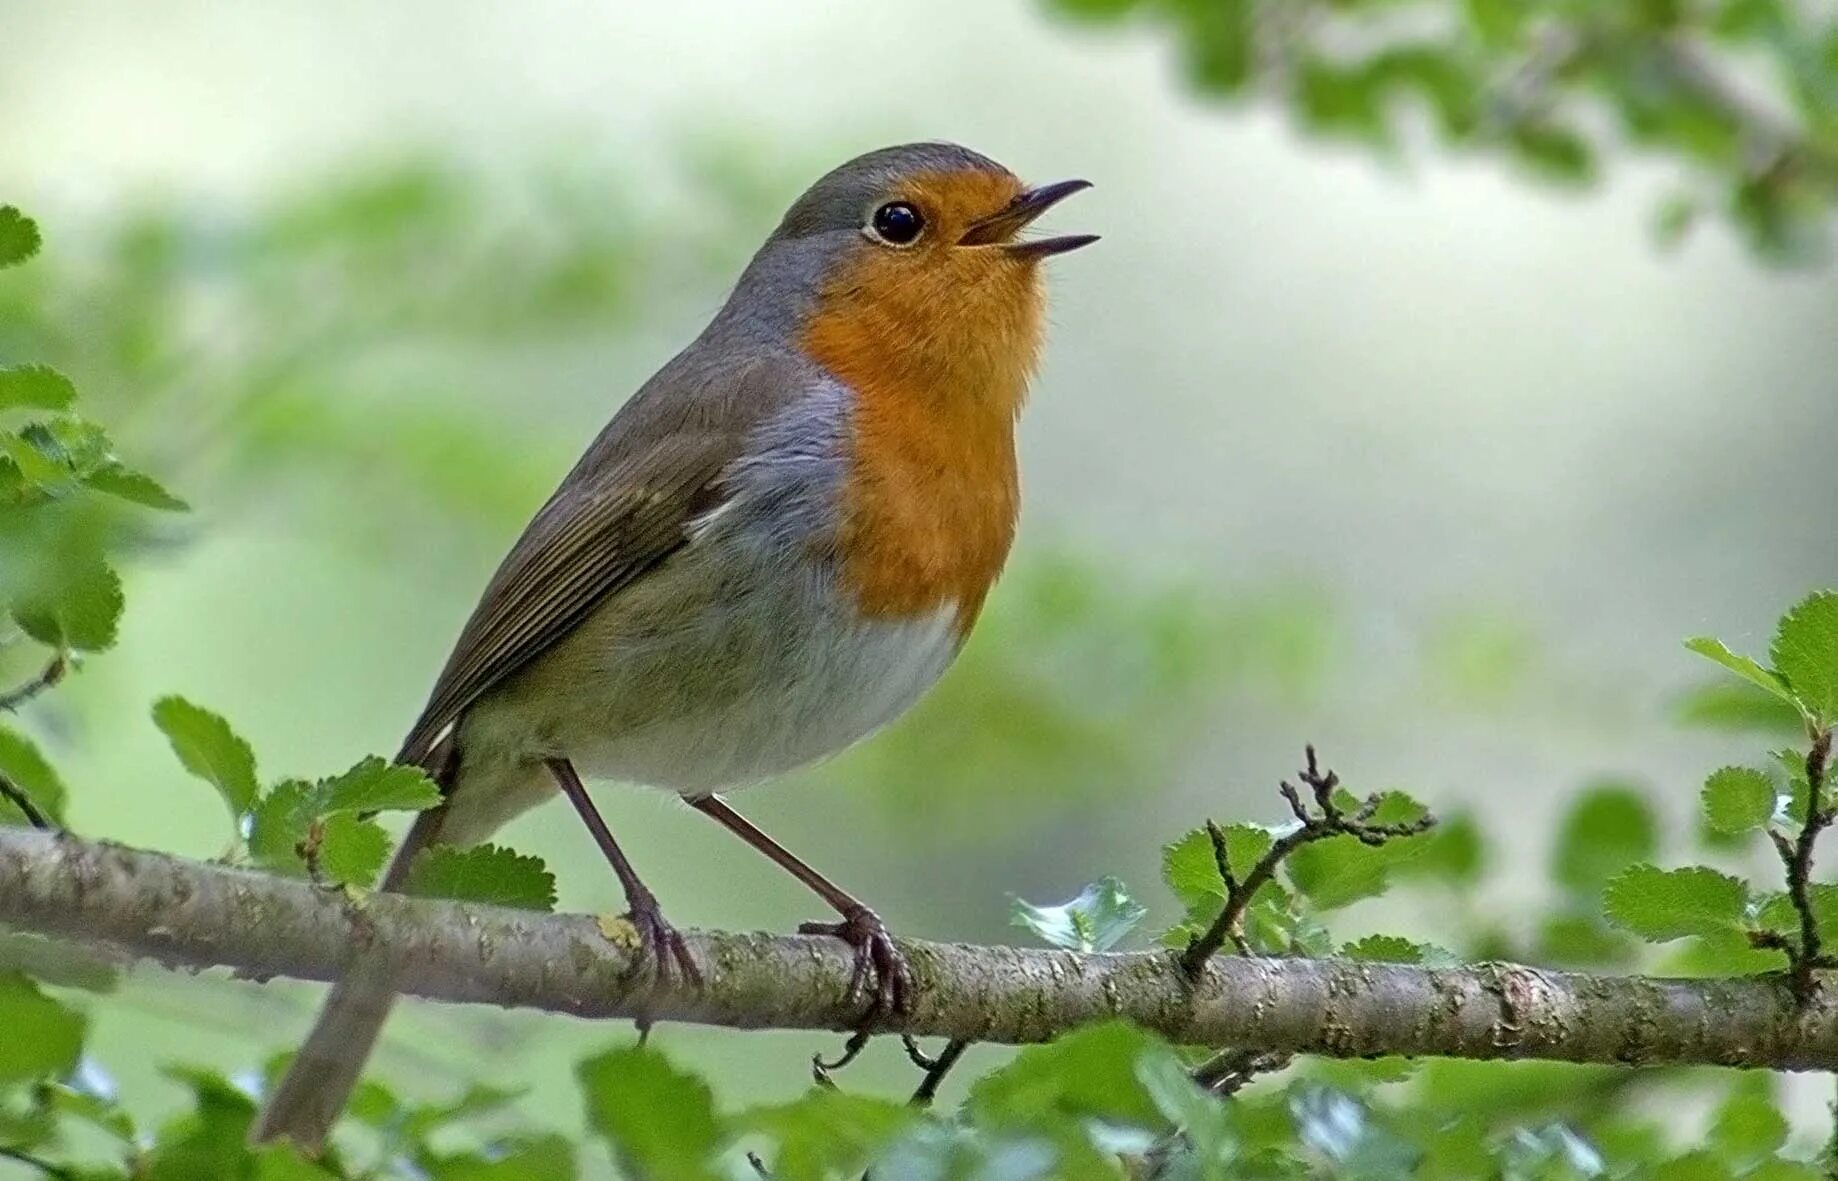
(845, 198)
(934, 208)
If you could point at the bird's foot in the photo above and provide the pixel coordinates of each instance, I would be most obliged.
(661, 949)
(881, 977)
(661, 954)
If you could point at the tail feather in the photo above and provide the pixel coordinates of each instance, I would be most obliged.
(318, 1083)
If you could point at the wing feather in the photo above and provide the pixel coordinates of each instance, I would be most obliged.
(622, 512)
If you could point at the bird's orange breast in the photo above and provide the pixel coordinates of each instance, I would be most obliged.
(930, 501)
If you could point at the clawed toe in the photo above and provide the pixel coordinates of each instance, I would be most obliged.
(662, 959)
(662, 952)
(881, 976)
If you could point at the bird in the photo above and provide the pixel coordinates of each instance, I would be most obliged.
(772, 550)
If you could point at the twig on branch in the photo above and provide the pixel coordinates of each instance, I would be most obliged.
(11, 792)
(191, 915)
(1327, 819)
(47, 678)
(935, 1068)
(1229, 1071)
(1806, 955)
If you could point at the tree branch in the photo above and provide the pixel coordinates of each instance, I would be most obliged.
(191, 915)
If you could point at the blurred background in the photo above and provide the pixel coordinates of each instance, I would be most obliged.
(1406, 454)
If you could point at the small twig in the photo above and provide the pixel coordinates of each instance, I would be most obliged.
(16, 796)
(935, 1068)
(759, 1166)
(1796, 853)
(1227, 1072)
(47, 678)
(1326, 819)
(307, 849)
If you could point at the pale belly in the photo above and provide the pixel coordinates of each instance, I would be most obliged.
(705, 676)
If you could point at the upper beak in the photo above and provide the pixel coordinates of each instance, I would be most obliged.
(1017, 215)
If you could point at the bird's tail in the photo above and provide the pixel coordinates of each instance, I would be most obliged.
(310, 1096)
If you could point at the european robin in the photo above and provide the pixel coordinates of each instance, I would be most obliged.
(772, 550)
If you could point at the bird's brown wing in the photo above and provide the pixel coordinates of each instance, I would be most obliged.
(625, 508)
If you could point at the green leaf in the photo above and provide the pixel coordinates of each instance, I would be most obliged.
(1692, 1166)
(1742, 666)
(1608, 828)
(1737, 707)
(211, 1140)
(1342, 870)
(1394, 949)
(35, 387)
(659, 1121)
(1727, 953)
(1660, 904)
(534, 1158)
(1748, 1124)
(1776, 912)
(56, 454)
(1737, 800)
(1096, 9)
(43, 1038)
(1554, 153)
(483, 873)
(210, 750)
(1805, 654)
(1096, 920)
(278, 824)
(1089, 1073)
(283, 1162)
(19, 238)
(1581, 941)
(117, 479)
(25, 768)
(1204, 1121)
(288, 820)
(376, 786)
(1453, 853)
(827, 1133)
(479, 1099)
(1785, 1170)
(1192, 872)
(352, 851)
(99, 1113)
(81, 611)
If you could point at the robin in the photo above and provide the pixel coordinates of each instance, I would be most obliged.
(772, 550)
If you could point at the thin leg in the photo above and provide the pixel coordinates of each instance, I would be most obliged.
(881, 972)
(660, 944)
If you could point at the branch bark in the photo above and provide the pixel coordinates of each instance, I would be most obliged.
(190, 915)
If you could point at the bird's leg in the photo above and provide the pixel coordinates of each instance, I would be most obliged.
(881, 973)
(660, 946)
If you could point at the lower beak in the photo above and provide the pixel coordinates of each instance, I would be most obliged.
(1001, 227)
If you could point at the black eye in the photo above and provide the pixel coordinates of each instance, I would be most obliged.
(897, 223)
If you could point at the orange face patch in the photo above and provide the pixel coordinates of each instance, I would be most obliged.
(938, 341)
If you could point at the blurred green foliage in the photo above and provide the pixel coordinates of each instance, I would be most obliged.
(1738, 97)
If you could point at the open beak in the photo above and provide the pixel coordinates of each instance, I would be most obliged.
(1001, 227)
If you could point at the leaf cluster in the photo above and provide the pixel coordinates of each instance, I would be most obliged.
(1739, 96)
